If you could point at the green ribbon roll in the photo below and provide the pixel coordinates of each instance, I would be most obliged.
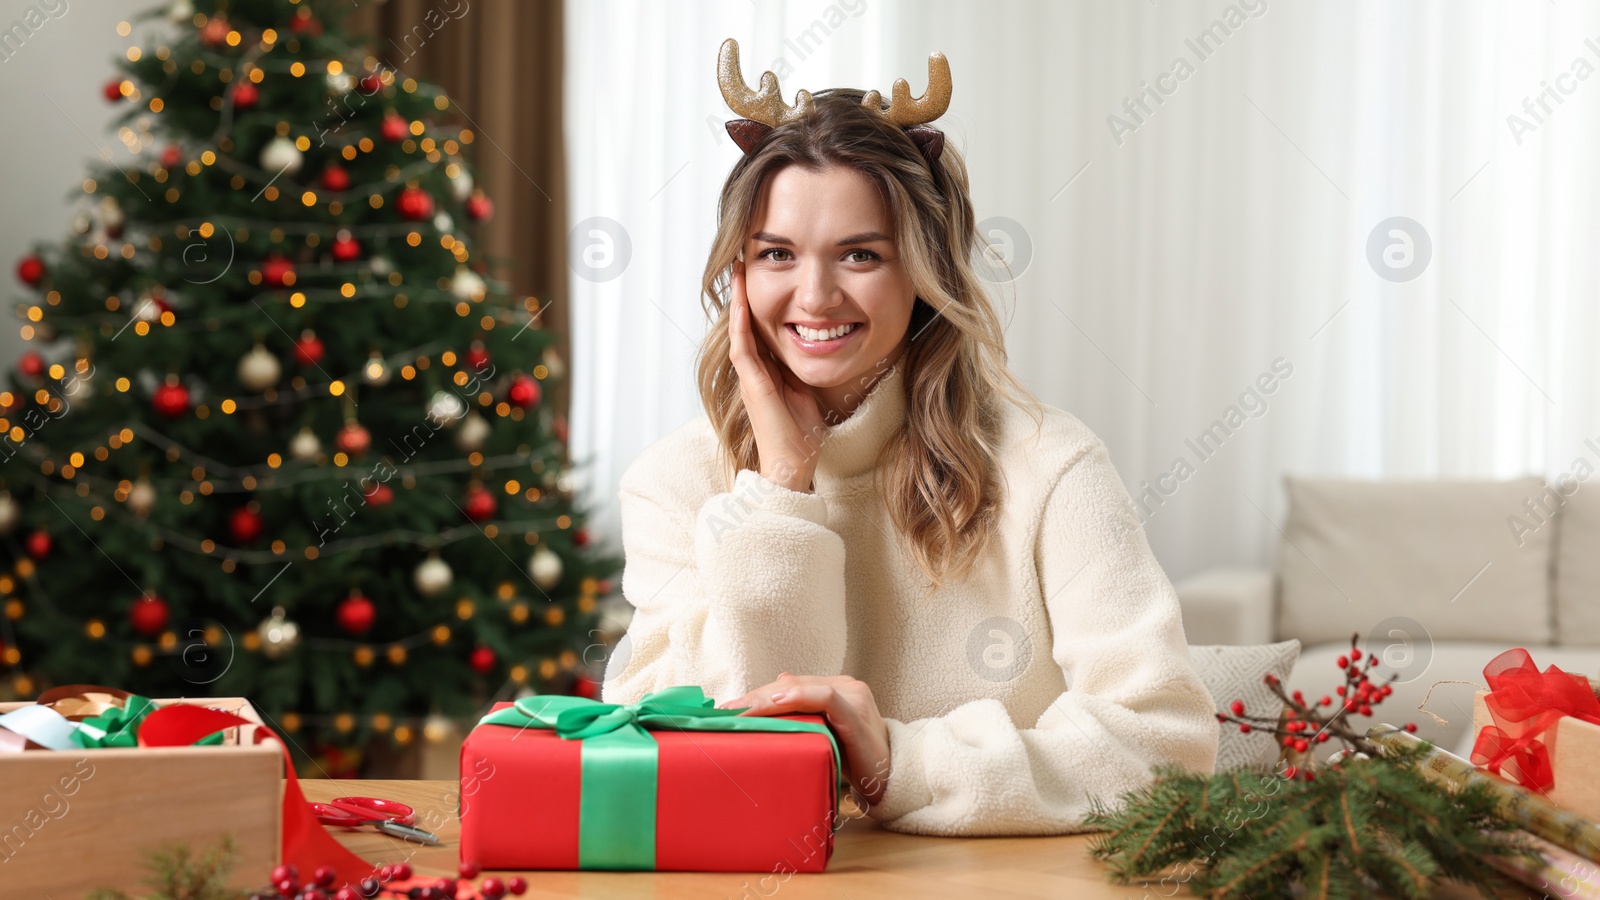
(119, 726)
(617, 806)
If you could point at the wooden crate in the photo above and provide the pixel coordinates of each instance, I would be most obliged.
(1574, 747)
(71, 821)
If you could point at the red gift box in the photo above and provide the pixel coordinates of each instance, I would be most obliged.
(725, 801)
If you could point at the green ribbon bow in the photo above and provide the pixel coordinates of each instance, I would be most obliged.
(119, 726)
(617, 806)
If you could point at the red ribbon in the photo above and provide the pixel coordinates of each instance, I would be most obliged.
(1524, 703)
(306, 843)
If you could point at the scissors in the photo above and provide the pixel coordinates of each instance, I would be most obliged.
(388, 816)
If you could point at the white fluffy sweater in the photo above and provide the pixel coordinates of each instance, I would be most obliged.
(1056, 672)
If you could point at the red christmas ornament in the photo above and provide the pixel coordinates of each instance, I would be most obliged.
(371, 83)
(587, 688)
(170, 400)
(276, 271)
(336, 178)
(148, 615)
(31, 364)
(245, 95)
(524, 391)
(380, 496)
(245, 525)
(482, 660)
(395, 128)
(30, 270)
(113, 90)
(346, 248)
(480, 504)
(215, 32)
(479, 206)
(415, 204)
(477, 357)
(356, 614)
(308, 349)
(303, 22)
(38, 544)
(353, 439)
(580, 537)
(171, 157)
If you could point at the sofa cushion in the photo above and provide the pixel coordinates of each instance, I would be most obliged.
(1440, 555)
(1234, 673)
(1577, 583)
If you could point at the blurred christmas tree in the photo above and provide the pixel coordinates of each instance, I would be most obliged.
(282, 436)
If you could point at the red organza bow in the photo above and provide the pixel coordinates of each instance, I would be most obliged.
(1524, 703)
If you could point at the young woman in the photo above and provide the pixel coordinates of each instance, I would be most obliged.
(875, 522)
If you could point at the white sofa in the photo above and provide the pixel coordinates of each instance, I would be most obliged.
(1437, 576)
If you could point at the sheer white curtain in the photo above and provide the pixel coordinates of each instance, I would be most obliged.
(1172, 260)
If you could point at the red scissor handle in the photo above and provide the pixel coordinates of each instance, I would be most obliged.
(352, 811)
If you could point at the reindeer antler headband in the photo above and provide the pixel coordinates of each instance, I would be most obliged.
(764, 110)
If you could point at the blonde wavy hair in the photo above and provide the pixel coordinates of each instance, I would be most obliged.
(939, 475)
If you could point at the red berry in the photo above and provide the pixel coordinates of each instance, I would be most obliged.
(1387, 690)
(1238, 707)
(1298, 697)
(1344, 662)
(1325, 701)
(1300, 745)
(287, 870)
(1366, 709)
(1288, 742)
(1411, 726)
(516, 884)
(1350, 705)
(347, 893)
(1244, 727)
(492, 888)
(468, 869)
(285, 886)
(313, 893)
(1355, 653)
(1290, 772)
(1306, 775)
(1340, 690)
(402, 870)
(1270, 678)
(1322, 737)
(386, 872)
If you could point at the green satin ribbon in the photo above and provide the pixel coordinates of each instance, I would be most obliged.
(617, 807)
(121, 726)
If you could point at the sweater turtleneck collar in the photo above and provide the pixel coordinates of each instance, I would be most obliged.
(850, 448)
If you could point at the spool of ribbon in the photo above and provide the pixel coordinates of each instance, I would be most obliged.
(1524, 704)
(617, 806)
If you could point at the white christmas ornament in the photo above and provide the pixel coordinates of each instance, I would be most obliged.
(304, 446)
(380, 266)
(467, 284)
(473, 432)
(446, 408)
(278, 634)
(461, 185)
(281, 155)
(340, 82)
(545, 567)
(10, 513)
(141, 498)
(259, 369)
(180, 11)
(432, 576)
(443, 222)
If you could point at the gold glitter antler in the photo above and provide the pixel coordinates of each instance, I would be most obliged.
(766, 105)
(906, 111)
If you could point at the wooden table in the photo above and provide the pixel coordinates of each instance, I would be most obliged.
(868, 861)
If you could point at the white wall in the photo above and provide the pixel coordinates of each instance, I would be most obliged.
(56, 122)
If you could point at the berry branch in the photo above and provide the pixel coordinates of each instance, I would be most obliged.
(1302, 724)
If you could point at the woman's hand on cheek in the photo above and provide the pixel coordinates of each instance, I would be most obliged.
(851, 711)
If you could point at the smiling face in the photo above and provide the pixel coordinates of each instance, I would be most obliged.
(826, 285)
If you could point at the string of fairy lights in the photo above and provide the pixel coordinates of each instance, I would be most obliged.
(323, 283)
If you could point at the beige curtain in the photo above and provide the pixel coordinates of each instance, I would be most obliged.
(500, 62)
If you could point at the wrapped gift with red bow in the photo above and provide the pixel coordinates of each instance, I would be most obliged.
(670, 783)
(1540, 730)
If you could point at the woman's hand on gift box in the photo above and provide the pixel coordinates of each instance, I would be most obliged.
(851, 711)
